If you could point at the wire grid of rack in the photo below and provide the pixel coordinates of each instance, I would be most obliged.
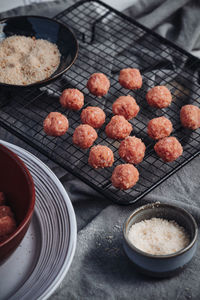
(108, 42)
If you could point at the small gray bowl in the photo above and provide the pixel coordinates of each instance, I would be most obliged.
(161, 265)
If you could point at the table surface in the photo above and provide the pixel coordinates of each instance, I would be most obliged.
(100, 270)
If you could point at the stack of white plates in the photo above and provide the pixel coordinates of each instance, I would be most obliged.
(42, 260)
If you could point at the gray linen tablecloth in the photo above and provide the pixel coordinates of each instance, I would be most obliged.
(100, 269)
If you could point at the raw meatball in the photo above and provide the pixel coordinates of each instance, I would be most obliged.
(124, 176)
(55, 124)
(84, 136)
(5, 211)
(98, 84)
(132, 150)
(130, 79)
(159, 96)
(101, 157)
(159, 128)
(2, 198)
(72, 99)
(190, 116)
(168, 149)
(93, 116)
(125, 106)
(7, 225)
(118, 128)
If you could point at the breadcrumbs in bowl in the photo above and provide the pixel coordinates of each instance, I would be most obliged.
(160, 239)
(25, 60)
(31, 55)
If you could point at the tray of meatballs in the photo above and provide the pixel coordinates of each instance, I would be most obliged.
(122, 122)
(123, 175)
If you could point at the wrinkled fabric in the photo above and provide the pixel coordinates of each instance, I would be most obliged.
(100, 269)
(177, 20)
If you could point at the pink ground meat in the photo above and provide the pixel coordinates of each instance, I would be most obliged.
(159, 128)
(93, 116)
(159, 96)
(132, 150)
(125, 106)
(124, 176)
(55, 124)
(98, 84)
(118, 128)
(72, 99)
(2, 198)
(168, 148)
(84, 136)
(101, 157)
(130, 78)
(190, 116)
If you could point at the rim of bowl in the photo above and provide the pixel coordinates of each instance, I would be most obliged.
(52, 77)
(151, 206)
(31, 188)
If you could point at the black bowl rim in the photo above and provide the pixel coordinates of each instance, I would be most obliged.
(152, 206)
(31, 188)
(51, 78)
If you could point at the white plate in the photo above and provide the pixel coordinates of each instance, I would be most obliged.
(39, 264)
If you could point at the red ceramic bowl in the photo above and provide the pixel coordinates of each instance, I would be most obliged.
(17, 184)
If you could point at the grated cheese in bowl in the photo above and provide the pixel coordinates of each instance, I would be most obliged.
(158, 236)
(25, 60)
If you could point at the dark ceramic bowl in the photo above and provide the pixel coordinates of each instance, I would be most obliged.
(42, 28)
(161, 265)
(17, 184)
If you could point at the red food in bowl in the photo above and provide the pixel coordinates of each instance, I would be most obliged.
(5, 211)
(18, 186)
(2, 198)
(7, 227)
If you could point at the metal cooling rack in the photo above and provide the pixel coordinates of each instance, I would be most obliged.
(108, 42)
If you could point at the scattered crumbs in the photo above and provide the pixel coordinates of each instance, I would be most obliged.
(109, 244)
